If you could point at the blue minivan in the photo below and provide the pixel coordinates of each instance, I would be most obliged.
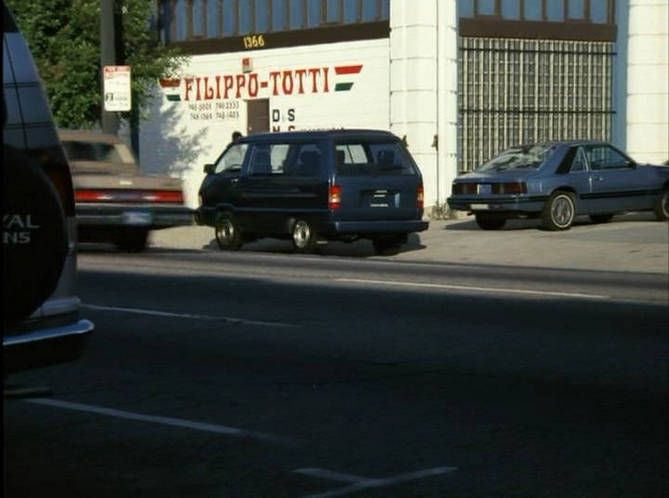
(314, 186)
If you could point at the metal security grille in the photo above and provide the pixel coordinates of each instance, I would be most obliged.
(520, 91)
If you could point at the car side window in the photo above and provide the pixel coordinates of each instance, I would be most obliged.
(231, 160)
(603, 157)
(306, 160)
(578, 164)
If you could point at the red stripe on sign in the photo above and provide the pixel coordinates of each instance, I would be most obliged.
(348, 69)
(169, 83)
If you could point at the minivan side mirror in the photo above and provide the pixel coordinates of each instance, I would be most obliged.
(208, 168)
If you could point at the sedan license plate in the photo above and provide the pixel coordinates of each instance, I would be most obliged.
(484, 188)
(480, 206)
(137, 218)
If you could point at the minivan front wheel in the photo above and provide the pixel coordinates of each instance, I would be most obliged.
(228, 236)
(304, 236)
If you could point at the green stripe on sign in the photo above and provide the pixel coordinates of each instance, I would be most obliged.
(174, 98)
(343, 87)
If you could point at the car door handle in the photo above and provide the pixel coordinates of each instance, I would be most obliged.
(599, 178)
(234, 180)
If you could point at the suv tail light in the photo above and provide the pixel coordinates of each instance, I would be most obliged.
(419, 196)
(334, 197)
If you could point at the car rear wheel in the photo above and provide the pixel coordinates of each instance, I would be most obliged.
(304, 236)
(389, 244)
(227, 232)
(559, 212)
(600, 218)
(662, 206)
(132, 240)
(487, 222)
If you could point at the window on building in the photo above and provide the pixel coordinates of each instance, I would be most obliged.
(532, 10)
(599, 11)
(333, 11)
(279, 15)
(313, 13)
(369, 10)
(181, 18)
(510, 9)
(213, 18)
(555, 10)
(229, 14)
(296, 18)
(199, 18)
(576, 9)
(244, 26)
(262, 16)
(351, 11)
(485, 7)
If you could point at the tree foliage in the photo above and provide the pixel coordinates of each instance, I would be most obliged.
(64, 38)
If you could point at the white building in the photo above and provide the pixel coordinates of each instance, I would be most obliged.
(459, 80)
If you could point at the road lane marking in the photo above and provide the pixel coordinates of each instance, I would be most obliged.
(359, 483)
(174, 422)
(474, 289)
(227, 319)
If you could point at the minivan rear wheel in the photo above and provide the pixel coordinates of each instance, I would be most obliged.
(304, 236)
(228, 236)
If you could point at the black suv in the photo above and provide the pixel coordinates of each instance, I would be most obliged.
(314, 186)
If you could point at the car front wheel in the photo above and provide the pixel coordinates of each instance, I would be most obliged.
(304, 236)
(559, 212)
(227, 233)
(662, 206)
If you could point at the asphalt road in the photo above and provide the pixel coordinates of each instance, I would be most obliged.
(264, 374)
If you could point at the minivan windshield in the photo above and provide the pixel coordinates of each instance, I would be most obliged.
(362, 158)
(525, 157)
(232, 159)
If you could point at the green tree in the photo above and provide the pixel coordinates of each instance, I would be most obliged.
(64, 38)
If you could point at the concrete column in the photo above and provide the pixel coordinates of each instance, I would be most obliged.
(647, 75)
(413, 84)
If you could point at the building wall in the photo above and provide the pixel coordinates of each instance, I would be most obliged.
(309, 87)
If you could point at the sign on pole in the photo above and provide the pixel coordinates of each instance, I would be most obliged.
(116, 88)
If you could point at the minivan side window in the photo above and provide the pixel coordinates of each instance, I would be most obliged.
(231, 160)
(372, 158)
(296, 159)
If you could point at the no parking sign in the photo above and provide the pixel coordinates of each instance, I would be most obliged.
(116, 88)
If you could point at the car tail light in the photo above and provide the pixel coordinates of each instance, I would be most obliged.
(334, 197)
(510, 188)
(464, 188)
(420, 194)
(122, 195)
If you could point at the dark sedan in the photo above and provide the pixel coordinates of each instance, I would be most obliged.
(557, 181)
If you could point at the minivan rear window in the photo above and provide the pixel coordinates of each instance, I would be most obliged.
(372, 158)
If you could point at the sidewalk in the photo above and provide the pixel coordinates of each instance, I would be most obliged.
(634, 243)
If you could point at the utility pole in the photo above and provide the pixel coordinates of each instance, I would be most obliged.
(108, 120)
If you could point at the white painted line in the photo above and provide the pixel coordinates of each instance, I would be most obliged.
(474, 289)
(188, 315)
(175, 422)
(360, 483)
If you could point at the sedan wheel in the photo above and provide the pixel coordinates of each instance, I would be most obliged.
(662, 206)
(227, 233)
(559, 212)
(304, 236)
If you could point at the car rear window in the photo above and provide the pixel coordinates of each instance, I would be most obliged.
(523, 157)
(95, 151)
(372, 158)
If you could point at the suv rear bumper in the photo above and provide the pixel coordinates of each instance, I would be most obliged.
(388, 226)
(45, 346)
